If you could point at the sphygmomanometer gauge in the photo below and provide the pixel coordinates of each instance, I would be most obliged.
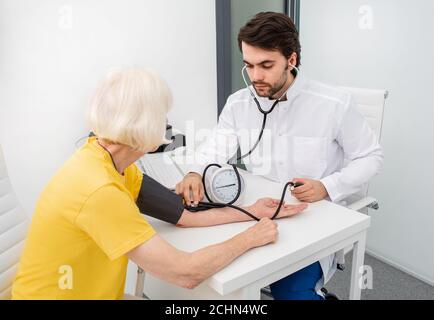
(225, 187)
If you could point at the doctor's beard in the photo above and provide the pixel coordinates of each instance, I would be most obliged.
(272, 89)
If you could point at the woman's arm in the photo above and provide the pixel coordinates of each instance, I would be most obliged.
(188, 270)
(263, 208)
(211, 217)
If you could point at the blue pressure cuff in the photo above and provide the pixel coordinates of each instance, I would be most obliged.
(157, 201)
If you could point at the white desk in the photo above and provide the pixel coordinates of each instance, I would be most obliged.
(321, 230)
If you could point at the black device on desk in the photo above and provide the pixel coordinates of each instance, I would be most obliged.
(178, 140)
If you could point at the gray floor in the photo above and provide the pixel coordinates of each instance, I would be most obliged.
(388, 283)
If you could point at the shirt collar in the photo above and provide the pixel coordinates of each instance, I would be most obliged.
(102, 154)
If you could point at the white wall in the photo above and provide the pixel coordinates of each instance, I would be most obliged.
(393, 50)
(52, 54)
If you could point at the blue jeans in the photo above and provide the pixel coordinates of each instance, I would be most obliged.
(298, 286)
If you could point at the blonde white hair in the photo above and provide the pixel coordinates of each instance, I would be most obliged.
(130, 108)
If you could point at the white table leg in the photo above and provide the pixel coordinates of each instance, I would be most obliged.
(140, 281)
(250, 292)
(356, 270)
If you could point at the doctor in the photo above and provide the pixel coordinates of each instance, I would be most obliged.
(314, 135)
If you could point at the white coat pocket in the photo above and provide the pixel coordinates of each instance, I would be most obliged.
(310, 156)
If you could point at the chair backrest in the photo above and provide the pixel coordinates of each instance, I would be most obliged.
(370, 103)
(13, 229)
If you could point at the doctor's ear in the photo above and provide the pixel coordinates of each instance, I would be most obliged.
(292, 60)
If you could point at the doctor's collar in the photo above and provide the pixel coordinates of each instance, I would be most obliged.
(284, 98)
(296, 87)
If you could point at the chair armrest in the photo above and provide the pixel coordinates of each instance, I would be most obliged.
(368, 202)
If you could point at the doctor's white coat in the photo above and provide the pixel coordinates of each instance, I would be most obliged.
(316, 133)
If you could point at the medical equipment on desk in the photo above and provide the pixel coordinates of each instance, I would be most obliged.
(162, 171)
(226, 186)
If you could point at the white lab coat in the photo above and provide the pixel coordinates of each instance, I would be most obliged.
(316, 133)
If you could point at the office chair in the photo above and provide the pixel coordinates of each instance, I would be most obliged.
(370, 103)
(13, 230)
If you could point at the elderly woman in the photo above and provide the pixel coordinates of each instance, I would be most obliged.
(87, 222)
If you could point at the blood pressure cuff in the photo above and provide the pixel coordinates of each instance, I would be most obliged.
(157, 201)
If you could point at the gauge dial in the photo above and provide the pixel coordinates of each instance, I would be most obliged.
(225, 185)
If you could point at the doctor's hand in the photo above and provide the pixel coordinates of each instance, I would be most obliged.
(310, 191)
(266, 207)
(191, 188)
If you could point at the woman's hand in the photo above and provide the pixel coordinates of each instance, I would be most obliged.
(266, 207)
(262, 233)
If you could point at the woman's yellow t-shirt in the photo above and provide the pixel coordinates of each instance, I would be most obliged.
(84, 223)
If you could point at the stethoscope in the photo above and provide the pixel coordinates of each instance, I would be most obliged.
(264, 112)
(208, 205)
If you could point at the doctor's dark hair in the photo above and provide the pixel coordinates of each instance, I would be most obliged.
(271, 31)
